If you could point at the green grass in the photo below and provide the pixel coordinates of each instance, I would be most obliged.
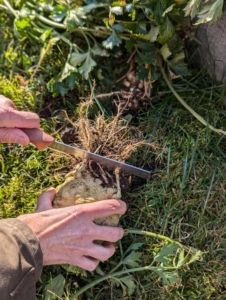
(184, 200)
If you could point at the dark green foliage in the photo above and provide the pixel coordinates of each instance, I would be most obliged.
(87, 31)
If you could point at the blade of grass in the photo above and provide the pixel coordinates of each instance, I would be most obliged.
(209, 190)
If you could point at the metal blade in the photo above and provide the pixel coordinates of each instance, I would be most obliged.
(111, 163)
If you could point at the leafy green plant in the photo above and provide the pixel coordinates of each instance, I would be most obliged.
(87, 31)
(168, 258)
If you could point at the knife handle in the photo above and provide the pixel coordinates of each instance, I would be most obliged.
(38, 137)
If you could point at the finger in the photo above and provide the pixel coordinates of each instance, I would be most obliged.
(39, 138)
(45, 200)
(13, 135)
(101, 252)
(107, 233)
(5, 102)
(87, 263)
(12, 118)
(105, 208)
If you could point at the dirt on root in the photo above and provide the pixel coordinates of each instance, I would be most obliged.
(113, 138)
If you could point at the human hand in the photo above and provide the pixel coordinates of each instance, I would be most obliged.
(66, 235)
(11, 120)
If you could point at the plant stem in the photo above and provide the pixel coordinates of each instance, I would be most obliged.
(197, 116)
(4, 7)
(49, 22)
(158, 236)
(93, 95)
(109, 276)
(152, 234)
(14, 12)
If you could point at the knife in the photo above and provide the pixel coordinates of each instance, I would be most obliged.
(42, 140)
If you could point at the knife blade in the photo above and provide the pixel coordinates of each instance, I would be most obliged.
(42, 140)
(103, 160)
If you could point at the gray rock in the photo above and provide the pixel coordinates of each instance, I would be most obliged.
(212, 48)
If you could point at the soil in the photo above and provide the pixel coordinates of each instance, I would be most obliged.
(127, 182)
(50, 104)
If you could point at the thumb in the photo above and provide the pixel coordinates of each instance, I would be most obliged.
(45, 200)
(13, 135)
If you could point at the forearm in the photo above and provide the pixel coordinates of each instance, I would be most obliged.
(20, 260)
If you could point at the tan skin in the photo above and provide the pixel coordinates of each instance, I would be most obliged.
(66, 235)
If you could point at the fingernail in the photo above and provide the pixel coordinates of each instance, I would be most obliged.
(21, 140)
(51, 189)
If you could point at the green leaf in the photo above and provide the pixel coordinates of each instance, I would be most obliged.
(179, 57)
(77, 58)
(179, 68)
(165, 52)
(159, 9)
(141, 28)
(119, 3)
(97, 50)
(59, 12)
(76, 17)
(147, 58)
(117, 10)
(192, 8)
(133, 259)
(25, 61)
(166, 253)
(112, 40)
(73, 20)
(168, 10)
(168, 277)
(181, 259)
(196, 256)
(56, 87)
(153, 33)
(71, 81)
(143, 73)
(166, 31)
(118, 27)
(87, 66)
(67, 70)
(129, 282)
(134, 246)
(129, 7)
(154, 75)
(146, 46)
(45, 35)
(56, 286)
(20, 26)
(211, 12)
(129, 45)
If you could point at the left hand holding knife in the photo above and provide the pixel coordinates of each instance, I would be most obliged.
(21, 127)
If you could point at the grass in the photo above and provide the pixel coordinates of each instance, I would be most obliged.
(184, 200)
